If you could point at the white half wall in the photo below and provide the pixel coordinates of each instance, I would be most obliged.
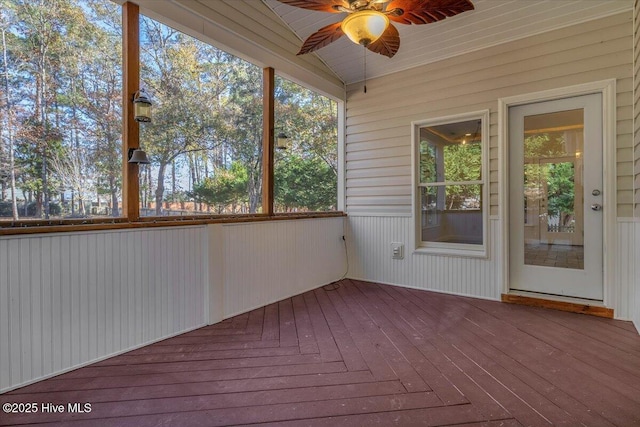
(636, 259)
(369, 240)
(74, 298)
(263, 262)
(623, 294)
(70, 299)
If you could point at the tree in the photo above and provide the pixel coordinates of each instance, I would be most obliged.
(227, 187)
(70, 167)
(306, 174)
(183, 120)
(462, 162)
(305, 184)
(561, 190)
(40, 26)
(9, 113)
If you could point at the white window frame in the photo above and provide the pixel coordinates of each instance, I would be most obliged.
(442, 248)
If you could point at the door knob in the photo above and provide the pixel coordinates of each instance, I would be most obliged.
(596, 207)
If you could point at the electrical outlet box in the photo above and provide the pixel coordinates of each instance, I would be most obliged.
(397, 250)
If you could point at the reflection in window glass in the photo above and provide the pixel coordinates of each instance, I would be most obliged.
(61, 117)
(205, 138)
(453, 214)
(451, 186)
(305, 172)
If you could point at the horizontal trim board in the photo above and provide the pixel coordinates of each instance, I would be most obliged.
(151, 222)
(589, 309)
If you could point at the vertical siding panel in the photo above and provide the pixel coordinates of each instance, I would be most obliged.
(370, 252)
(624, 295)
(266, 262)
(100, 295)
(93, 315)
(5, 323)
(36, 332)
(26, 300)
(636, 294)
(154, 248)
(14, 311)
(130, 282)
(465, 276)
(56, 304)
(73, 296)
(119, 273)
(68, 299)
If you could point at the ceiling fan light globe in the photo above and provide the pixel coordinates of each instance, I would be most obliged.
(365, 27)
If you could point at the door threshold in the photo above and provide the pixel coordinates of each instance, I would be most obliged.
(555, 302)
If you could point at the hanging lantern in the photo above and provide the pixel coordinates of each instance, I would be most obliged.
(141, 107)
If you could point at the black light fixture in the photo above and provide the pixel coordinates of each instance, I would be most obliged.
(141, 106)
(138, 156)
(282, 141)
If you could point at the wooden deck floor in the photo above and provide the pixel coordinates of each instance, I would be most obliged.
(365, 355)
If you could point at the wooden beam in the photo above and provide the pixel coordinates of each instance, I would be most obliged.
(130, 128)
(572, 307)
(268, 126)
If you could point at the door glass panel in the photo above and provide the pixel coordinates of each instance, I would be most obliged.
(553, 189)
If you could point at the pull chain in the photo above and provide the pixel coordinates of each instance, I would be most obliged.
(365, 69)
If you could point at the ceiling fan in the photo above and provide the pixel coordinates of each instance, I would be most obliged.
(368, 21)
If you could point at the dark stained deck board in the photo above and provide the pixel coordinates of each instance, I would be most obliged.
(364, 354)
(483, 390)
(271, 325)
(377, 364)
(213, 351)
(567, 331)
(609, 365)
(326, 343)
(347, 347)
(402, 367)
(128, 408)
(288, 332)
(547, 362)
(480, 388)
(306, 339)
(529, 387)
(134, 378)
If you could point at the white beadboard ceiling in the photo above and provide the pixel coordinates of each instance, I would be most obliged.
(492, 22)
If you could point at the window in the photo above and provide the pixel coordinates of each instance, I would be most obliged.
(450, 191)
(60, 109)
(205, 139)
(306, 167)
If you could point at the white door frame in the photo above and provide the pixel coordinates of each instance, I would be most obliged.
(608, 90)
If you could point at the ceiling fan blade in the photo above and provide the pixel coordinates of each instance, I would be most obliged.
(388, 43)
(420, 12)
(321, 38)
(331, 6)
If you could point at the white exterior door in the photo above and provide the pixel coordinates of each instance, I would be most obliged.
(555, 197)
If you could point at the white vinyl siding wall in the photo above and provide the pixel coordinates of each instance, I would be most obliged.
(378, 132)
(636, 104)
(635, 297)
(378, 151)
